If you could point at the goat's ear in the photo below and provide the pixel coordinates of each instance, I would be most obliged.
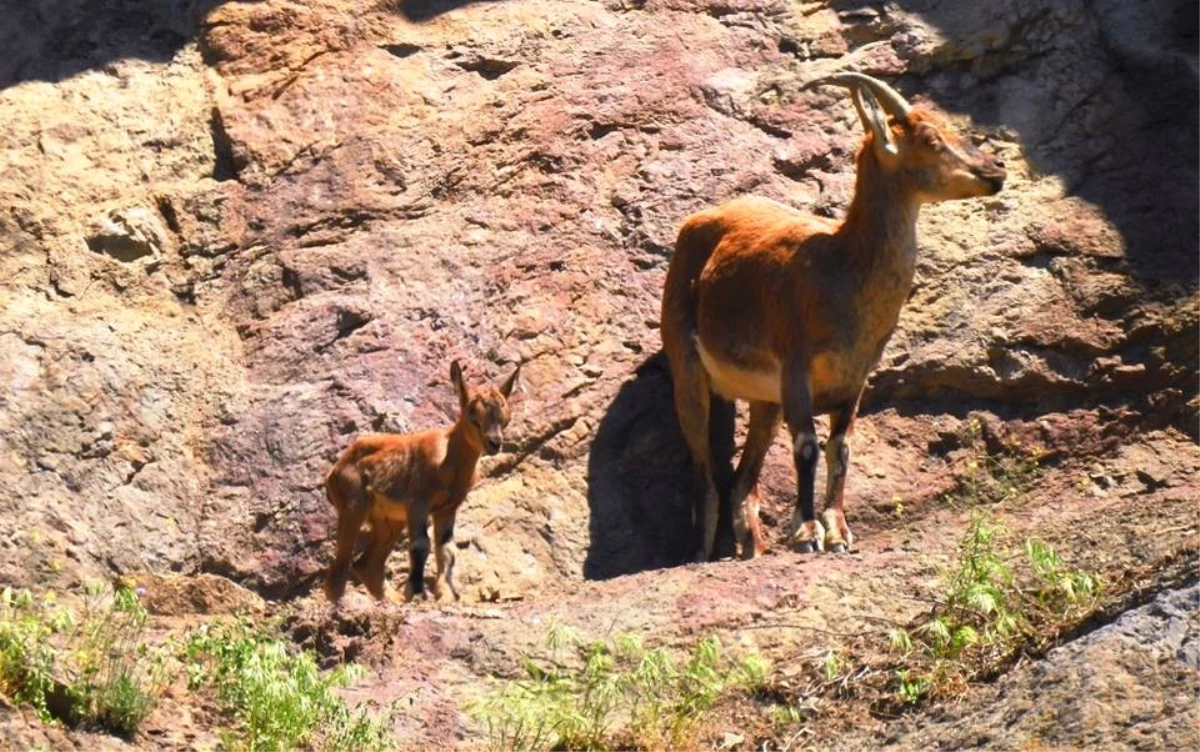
(507, 387)
(456, 377)
(875, 121)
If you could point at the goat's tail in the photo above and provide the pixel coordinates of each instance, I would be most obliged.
(697, 240)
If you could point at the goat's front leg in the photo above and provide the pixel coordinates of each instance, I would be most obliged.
(798, 412)
(418, 549)
(443, 544)
(837, 461)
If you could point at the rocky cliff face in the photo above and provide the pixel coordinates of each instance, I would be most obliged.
(238, 234)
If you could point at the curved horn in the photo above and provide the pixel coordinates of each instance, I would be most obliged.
(888, 97)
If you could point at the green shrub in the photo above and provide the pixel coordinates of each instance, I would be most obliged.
(87, 668)
(996, 600)
(616, 694)
(277, 698)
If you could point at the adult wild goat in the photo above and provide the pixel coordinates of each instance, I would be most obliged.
(396, 482)
(791, 311)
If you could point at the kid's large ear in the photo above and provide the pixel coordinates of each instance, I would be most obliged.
(507, 387)
(456, 377)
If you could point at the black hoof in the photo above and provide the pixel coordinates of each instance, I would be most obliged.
(806, 547)
(725, 548)
(838, 548)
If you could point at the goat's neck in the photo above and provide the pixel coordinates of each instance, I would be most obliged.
(461, 449)
(880, 231)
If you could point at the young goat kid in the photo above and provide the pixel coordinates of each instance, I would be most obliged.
(791, 311)
(397, 482)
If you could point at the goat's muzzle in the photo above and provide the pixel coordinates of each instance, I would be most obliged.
(492, 445)
(994, 175)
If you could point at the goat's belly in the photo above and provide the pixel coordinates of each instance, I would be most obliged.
(832, 385)
(386, 508)
(732, 381)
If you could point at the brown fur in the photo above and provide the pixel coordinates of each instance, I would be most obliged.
(792, 311)
(397, 482)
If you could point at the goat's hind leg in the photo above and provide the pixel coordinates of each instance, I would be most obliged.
(722, 416)
(693, 405)
(764, 424)
(344, 487)
(371, 567)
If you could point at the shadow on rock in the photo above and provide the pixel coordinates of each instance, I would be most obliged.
(52, 40)
(640, 487)
(1120, 132)
(419, 11)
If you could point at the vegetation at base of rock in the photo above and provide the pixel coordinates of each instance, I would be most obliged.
(90, 666)
(88, 661)
(994, 477)
(1001, 597)
(998, 598)
(278, 699)
(612, 695)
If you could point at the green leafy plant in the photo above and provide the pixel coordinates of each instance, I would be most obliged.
(996, 599)
(277, 698)
(27, 657)
(1059, 588)
(86, 666)
(832, 666)
(606, 695)
(911, 690)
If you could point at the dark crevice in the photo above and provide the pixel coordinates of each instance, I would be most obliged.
(291, 281)
(167, 210)
(226, 166)
(600, 130)
(401, 50)
(121, 247)
(489, 68)
(347, 219)
(349, 321)
(185, 293)
(769, 128)
(421, 11)
(799, 170)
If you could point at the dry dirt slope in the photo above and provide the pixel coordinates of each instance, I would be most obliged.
(240, 233)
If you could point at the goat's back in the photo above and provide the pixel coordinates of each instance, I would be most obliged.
(370, 457)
